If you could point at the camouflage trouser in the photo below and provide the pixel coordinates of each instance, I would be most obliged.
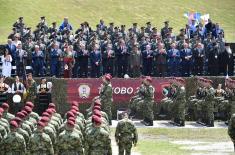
(178, 110)
(148, 109)
(135, 104)
(199, 105)
(228, 107)
(218, 104)
(165, 104)
(106, 107)
(124, 147)
(209, 111)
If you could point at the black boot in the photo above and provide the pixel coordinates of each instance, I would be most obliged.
(150, 123)
(210, 123)
(182, 123)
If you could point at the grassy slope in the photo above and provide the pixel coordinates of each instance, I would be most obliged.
(119, 11)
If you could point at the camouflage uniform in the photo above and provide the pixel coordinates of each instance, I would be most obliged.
(14, 144)
(8, 116)
(209, 107)
(126, 135)
(31, 91)
(24, 134)
(106, 98)
(5, 124)
(147, 104)
(69, 143)
(50, 132)
(200, 102)
(231, 129)
(40, 144)
(179, 106)
(97, 141)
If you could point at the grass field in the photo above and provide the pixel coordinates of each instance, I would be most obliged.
(159, 140)
(118, 11)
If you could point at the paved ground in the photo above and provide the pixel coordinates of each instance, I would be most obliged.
(166, 124)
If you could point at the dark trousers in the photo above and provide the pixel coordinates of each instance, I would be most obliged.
(95, 71)
(83, 70)
(54, 70)
(147, 68)
(38, 70)
(122, 66)
(186, 68)
(108, 67)
(198, 66)
(19, 68)
(161, 70)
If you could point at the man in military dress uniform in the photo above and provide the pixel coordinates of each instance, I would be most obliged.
(231, 129)
(31, 88)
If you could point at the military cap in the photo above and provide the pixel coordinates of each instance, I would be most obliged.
(123, 25)
(148, 23)
(74, 103)
(116, 27)
(21, 17)
(42, 17)
(24, 112)
(30, 104)
(74, 108)
(97, 103)
(74, 112)
(53, 23)
(111, 23)
(28, 109)
(14, 124)
(72, 119)
(53, 110)
(182, 30)
(28, 28)
(17, 119)
(154, 28)
(49, 111)
(108, 77)
(142, 28)
(45, 119)
(51, 105)
(148, 78)
(70, 123)
(70, 114)
(96, 119)
(20, 115)
(41, 124)
(5, 106)
(166, 22)
(97, 113)
(46, 114)
(134, 24)
(97, 107)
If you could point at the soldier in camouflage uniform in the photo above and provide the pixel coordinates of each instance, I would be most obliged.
(134, 104)
(69, 142)
(3, 122)
(126, 135)
(209, 105)
(148, 101)
(179, 102)
(14, 144)
(106, 96)
(40, 143)
(97, 139)
(31, 88)
(8, 116)
(231, 129)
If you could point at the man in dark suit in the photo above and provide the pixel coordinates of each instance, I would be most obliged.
(12, 50)
(186, 63)
(122, 55)
(21, 56)
(198, 58)
(160, 57)
(174, 60)
(95, 58)
(108, 60)
(82, 60)
(147, 59)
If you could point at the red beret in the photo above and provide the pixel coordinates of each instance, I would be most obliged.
(70, 114)
(46, 114)
(5, 106)
(74, 107)
(96, 119)
(45, 119)
(96, 107)
(70, 123)
(74, 103)
(97, 102)
(108, 77)
(51, 105)
(74, 112)
(148, 78)
(53, 110)
(72, 119)
(24, 112)
(49, 111)
(97, 113)
(40, 123)
(30, 104)
(20, 115)
(28, 109)
(14, 124)
(1, 110)
(17, 119)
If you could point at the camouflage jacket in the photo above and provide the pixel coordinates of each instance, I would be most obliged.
(106, 92)
(40, 143)
(8, 116)
(126, 132)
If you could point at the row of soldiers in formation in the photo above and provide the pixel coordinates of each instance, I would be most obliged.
(207, 102)
(118, 52)
(27, 133)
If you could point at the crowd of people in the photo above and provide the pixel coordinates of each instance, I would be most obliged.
(62, 51)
